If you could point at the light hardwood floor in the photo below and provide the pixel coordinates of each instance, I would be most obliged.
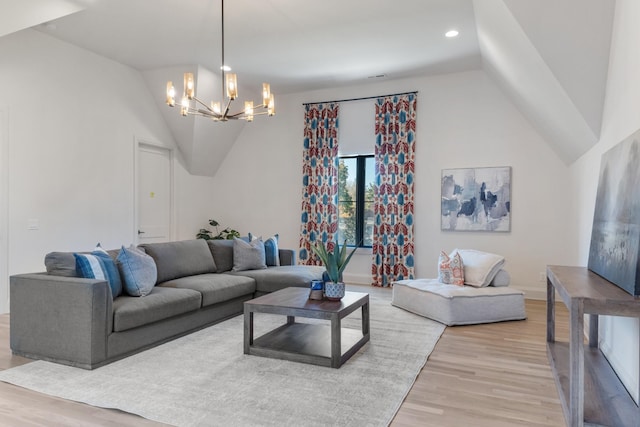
(482, 375)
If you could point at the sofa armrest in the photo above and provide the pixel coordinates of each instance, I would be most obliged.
(287, 256)
(63, 319)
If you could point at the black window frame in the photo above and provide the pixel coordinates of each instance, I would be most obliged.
(361, 166)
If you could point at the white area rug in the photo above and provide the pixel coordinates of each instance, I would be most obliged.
(204, 379)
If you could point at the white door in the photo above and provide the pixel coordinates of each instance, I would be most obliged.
(155, 198)
(4, 210)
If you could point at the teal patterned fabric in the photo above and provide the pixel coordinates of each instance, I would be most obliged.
(319, 180)
(395, 131)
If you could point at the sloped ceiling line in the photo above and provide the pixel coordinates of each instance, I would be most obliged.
(569, 120)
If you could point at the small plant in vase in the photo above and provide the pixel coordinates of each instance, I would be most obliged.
(335, 262)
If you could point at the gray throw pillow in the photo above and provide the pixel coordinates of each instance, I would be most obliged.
(138, 271)
(248, 256)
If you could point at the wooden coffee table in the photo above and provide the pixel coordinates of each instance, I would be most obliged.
(315, 343)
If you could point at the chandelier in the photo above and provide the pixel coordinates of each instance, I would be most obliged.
(191, 105)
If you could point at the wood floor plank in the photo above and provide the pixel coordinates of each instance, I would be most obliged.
(482, 375)
(489, 375)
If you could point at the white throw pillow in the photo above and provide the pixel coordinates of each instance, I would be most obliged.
(479, 267)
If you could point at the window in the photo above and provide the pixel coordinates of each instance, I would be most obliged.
(355, 200)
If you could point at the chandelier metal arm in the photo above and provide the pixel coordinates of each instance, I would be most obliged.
(227, 108)
(202, 103)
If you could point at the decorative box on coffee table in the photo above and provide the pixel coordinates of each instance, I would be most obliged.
(322, 344)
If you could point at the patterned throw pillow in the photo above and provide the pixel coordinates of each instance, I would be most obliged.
(450, 269)
(445, 275)
(101, 267)
(457, 269)
(138, 271)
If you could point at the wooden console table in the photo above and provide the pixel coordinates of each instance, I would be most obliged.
(589, 389)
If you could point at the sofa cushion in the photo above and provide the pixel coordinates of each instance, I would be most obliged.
(275, 278)
(181, 259)
(162, 303)
(138, 271)
(458, 305)
(248, 256)
(61, 264)
(222, 252)
(215, 288)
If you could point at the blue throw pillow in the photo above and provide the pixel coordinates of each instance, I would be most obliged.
(96, 266)
(138, 271)
(271, 251)
(112, 271)
(271, 254)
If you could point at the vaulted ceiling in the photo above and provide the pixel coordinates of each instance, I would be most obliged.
(549, 56)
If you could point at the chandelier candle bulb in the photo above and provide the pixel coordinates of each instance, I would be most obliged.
(232, 86)
(189, 85)
(171, 93)
(184, 109)
(215, 107)
(248, 110)
(266, 94)
(271, 106)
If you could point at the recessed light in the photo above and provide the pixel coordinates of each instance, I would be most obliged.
(451, 33)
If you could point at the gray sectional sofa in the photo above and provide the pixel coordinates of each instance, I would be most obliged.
(60, 317)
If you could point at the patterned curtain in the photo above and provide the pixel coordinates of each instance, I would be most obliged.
(393, 245)
(319, 179)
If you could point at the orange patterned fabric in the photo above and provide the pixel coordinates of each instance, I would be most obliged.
(457, 270)
(445, 275)
(450, 269)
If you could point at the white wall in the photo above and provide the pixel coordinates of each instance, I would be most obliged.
(73, 120)
(618, 335)
(463, 121)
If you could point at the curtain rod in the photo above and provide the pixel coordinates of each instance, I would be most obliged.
(359, 99)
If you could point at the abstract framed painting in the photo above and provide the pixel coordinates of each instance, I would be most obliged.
(615, 237)
(476, 199)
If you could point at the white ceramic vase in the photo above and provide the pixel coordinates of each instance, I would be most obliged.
(334, 291)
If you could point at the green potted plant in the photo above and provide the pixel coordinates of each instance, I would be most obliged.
(227, 233)
(335, 262)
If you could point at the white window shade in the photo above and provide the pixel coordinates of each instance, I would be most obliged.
(356, 129)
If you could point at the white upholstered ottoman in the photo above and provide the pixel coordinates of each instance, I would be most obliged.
(458, 305)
